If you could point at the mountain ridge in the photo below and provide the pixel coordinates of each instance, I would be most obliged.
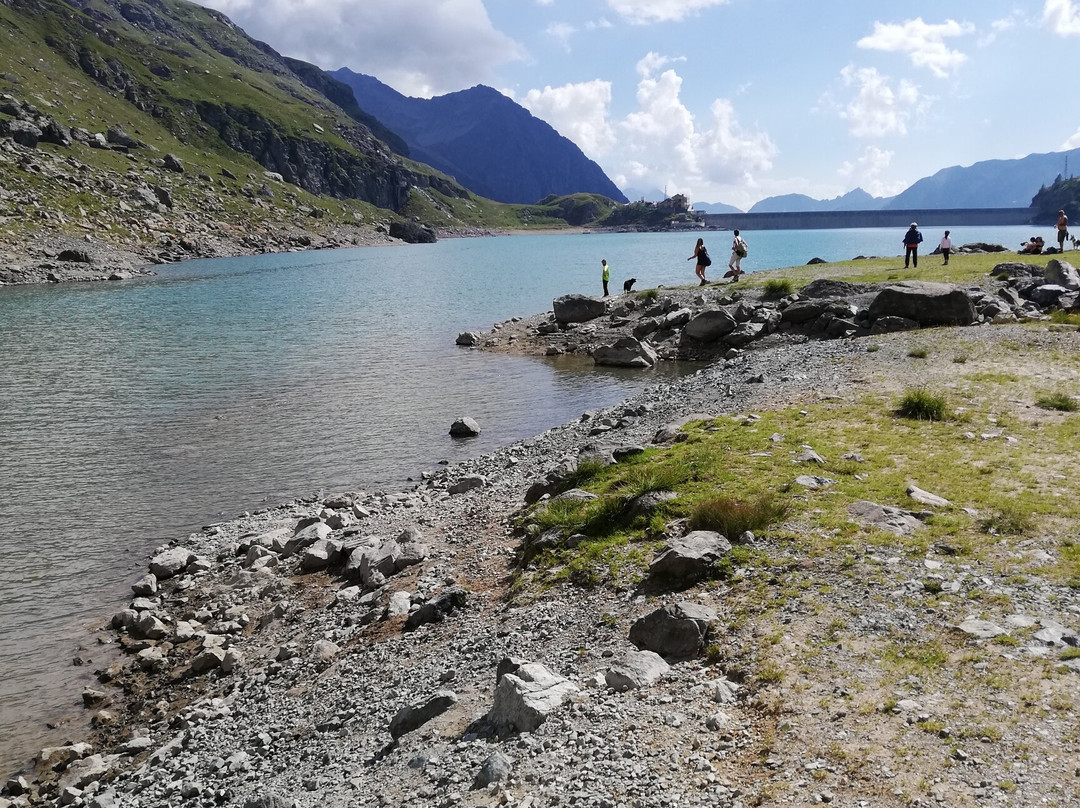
(490, 144)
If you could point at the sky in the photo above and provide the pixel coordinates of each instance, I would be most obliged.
(727, 100)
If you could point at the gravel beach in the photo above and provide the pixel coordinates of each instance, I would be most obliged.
(268, 664)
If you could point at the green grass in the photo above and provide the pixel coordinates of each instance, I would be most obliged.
(733, 517)
(1008, 519)
(918, 352)
(1056, 400)
(922, 405)
(648, 295)
(778, 287)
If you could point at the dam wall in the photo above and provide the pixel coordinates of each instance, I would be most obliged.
(833, 219)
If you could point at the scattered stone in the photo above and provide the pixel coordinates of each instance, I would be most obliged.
(637, 669)
(690, 557)
(674, 632)
(412, 717)
(926, 498)
(464, 428)
(524, 699)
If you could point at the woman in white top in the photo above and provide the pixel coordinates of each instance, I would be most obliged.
(945, 247)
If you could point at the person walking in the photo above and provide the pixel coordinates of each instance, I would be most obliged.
(738, 253)
(945, 246)
(703, 260)
(1062, 230)
(912, 239)
(606, 276)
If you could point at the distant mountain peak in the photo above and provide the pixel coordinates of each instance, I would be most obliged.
(488, 142)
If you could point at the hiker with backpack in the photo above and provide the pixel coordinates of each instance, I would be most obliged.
(738, 253)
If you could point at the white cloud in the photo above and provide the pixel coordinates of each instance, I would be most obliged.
(419, 47)
(577, 111)
(923, 42)
(1063, 17)
(562, 32)
(1072, 143)
(642, 12)
(877, 108)
(659, 144)
(999, 26)
(866, 172)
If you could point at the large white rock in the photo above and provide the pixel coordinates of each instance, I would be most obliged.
(636, 669)
(171, 562)
(524, 699)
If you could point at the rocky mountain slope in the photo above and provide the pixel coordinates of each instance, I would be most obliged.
(488, 143)
(162, 128)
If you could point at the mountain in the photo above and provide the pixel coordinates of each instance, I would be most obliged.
(488, 143)
(715, 207)
(986, 184)
(857, 199)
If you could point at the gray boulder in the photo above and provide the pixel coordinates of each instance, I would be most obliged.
(626, 353)
(525, 698)
(470, 483)
(1049, 294)
(464, 428)
(496, 769)
(690, 557)
(709, 326)
(827, 287)
(413, 716)
(468, 338)
(577, 308)
(674, 632)
(887, 325)
(804, 311)
(1062, 273)
(438, 608)
(22, 132)
(885, 517)
(171, 562)
(636, 669)
(926, 303)
(173, 163)
(412, 232)
(146, 586)
(118, 137)
(744, 334)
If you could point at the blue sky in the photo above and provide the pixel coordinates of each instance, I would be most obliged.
(728, 100)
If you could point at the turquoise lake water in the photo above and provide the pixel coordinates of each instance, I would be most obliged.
(134, 412)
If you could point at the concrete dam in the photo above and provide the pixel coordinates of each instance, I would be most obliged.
(834, 219)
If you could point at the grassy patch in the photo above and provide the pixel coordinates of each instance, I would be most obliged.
(1056, 400)
(1008, 519)
(778, 287)
(918, 352)
(922, 405)
(648, 295)
(733, 517)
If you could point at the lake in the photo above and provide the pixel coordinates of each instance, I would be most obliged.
(134, 412)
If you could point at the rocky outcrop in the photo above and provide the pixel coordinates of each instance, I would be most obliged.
(926, 303)
(628, 352)
(577, 309)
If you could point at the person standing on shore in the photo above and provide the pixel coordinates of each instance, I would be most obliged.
(1062, 230)
(738, 253)
(945, 247)
(912, 239)
(703, 260)
(606, 276)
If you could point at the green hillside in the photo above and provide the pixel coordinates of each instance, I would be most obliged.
(106, 89)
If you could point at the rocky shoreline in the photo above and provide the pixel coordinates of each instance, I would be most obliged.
(389, 649)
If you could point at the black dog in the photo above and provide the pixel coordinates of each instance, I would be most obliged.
(628, 285)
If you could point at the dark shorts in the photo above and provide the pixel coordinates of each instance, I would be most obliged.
(1062, 235)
